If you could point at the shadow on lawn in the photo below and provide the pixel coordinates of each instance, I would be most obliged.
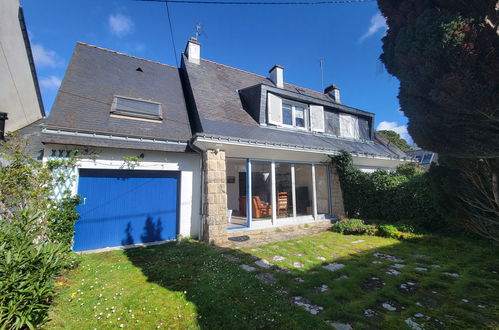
(227, 297)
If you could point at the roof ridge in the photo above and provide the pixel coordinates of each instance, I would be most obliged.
(259, 75)
(123, 54)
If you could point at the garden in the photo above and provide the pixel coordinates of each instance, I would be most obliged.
(324, 281)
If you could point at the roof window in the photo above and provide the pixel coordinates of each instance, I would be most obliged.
(136, 108)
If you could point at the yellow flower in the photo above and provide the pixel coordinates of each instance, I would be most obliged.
(73, 294)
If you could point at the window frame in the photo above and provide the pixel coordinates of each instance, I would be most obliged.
(343, 114)
(133, 115)
(294, 105)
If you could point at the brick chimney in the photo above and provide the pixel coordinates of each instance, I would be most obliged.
(193, 51)
(277, 75)
(333, 92)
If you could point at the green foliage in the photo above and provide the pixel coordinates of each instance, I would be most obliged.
(353, 227)
(27, 271)
(397, 140)
(35, 235)
(446, 55)
(406, 195)
(62, 220)
(387, 231)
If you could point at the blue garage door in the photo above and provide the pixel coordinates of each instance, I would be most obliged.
(122, 207)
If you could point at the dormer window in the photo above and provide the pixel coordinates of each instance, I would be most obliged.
(294, 114)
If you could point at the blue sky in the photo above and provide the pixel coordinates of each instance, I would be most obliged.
(252, 38)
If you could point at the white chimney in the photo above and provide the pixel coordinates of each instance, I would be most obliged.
(193, 51)
(276, 75)
(333, 92)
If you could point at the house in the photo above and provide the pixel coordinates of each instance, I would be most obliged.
(20, 100)
(204, 150)
(424, 158)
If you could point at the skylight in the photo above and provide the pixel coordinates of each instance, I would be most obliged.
(136, 108)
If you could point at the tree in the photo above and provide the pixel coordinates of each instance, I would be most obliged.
(446, 55)
(397, 140)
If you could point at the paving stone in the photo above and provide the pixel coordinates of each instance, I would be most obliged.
(297, 264)
(321, 289)
(481, 306)
(435, 266)
(266, 277)
(407, 287)
(398, 266)
(465, 300)
(263, 263)
(333, 266)
(256, 250)
(376, 262)
(340, 326)
(369, 313)
(307, 305)
(247, 268)
(451, 274)
(421, 269)
(387, 257)
(389, 307)
(298, 254)
(299, 279)
(342, 277)
(231, 257)
(371, 284)
(278, 258)
(358, 241)
(323, 247)
(413, 325)
(321, 258)
(392, 272)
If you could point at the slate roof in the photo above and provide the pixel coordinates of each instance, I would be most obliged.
(94, 76)
(219, 112)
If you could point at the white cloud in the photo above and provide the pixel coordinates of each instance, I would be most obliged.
(393, 126)
(378, 23)
(45, 57)
(51, 82)
(120, 24)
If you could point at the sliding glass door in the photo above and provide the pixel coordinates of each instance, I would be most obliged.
(277, 190)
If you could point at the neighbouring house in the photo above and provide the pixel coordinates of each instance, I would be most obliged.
(424, 158)
(204, 150)
(20, 100)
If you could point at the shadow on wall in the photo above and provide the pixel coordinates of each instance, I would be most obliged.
(151, 232)
(227, 297)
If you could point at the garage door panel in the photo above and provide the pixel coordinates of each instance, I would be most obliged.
(123, 207)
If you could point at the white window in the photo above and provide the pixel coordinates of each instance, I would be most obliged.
(136, 108)
(294, 114)
(349, 126)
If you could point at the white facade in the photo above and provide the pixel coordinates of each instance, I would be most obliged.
(189, 164)
(18, 94)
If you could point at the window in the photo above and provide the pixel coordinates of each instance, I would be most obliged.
(136, 108)
(426, 158)
(349, 126)
(294, 114)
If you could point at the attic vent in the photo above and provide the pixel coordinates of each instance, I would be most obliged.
(136, 108)
(139, 69)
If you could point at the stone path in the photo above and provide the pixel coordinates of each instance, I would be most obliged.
(307, 305)
(333, 266)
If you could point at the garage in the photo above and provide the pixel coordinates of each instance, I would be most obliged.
(124, 207)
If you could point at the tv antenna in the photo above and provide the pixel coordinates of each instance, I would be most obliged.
(321, 63)
(200, 31)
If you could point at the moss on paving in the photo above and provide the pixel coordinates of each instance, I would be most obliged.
(191, 286)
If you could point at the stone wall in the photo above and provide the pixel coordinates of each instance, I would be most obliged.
(253, 237)
(215, 197)
(338, 206)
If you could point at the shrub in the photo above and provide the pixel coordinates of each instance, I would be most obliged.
(388, 231)
(353, 227)
(406, 194)
(27, 272)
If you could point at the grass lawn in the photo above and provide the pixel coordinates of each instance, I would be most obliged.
(372, 282)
